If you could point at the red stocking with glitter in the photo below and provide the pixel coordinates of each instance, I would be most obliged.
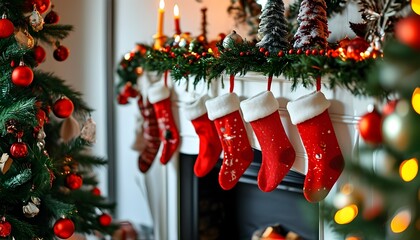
(238, 155)
(325, 160)
(210, 146)
(159, 97)
(278, 155)
(147, 138)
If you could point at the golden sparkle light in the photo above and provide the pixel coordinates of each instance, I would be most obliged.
(415, 100)
(346, 214)
(400, 221)
(409, 169)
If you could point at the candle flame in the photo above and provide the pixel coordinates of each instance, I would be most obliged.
(162, 4)
(176, 10)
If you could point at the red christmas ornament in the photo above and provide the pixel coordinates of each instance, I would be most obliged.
(129, 91)
(64, 228)
(19, 150)
(389, 107)
(52, 18)
(39, 54)
(122, 99)
(407, 30)
(96, 191)
(105, 219)
(6, 28)
(74, 181)
(63, 108)
(41, 5)
(61, 53)
(22, 76)
(5, 228)
(370, 127)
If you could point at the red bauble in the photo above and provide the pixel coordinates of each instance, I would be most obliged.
(61, 53)
(19, 150)
(407, 30)
(96, 191)
(64, 228)
(39, 54)
(5, 229)
(74, 181)
(6, 28)
(52, 17)
(105, 219)
(122, 99)
(63, 108)
(389, 107)
(370, 127)
(22, 76)
(41, 5)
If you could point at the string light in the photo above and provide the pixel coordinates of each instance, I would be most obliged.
(346, 215)
(401, 221)
(415, 100)
(409, 169)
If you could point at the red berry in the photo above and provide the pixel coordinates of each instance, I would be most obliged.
(314, 52)
(262, 50)
(291, 51)
(241, 54)
(308, 52)
(299, 51)
(322, 52)
(204, 54)
(281, 53)
(267, 53)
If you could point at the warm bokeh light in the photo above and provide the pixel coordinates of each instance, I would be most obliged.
(415, 100)
(127, 56)
(401, 221)
(346, 214)
(353, 238)
(415, 5)
(409, 169)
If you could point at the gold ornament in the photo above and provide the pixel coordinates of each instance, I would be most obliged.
(24, 38)
(5, 163)
(36, 20)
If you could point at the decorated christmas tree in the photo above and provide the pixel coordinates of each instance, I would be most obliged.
(48, 188)
(313, 25)
(273, 27)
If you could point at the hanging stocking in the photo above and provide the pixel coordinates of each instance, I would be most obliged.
(210, 146)
(278, 155)
(147, 139)
(325, 161)
(159, 98)
(238, 154)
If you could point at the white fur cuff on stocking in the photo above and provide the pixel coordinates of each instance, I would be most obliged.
(259, 106)
(196, 109)
(158, 92)
(307, 107)
(222, 105)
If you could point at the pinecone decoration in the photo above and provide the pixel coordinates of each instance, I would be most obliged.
(313, 25)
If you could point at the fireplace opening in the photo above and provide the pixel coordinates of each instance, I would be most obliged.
(208, 212)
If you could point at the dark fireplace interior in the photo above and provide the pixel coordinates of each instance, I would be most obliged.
(208, 212)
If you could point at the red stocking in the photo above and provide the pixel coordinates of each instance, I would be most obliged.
(159, 98)
(278, 155)
(238, 154)
(210, 147)
(147, 140)
(325, 161)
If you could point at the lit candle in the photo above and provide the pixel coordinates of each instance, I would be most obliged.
(176, 18)
(159, 37)
(161, 12)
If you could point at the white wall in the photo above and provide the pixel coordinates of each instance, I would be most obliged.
(84, 70)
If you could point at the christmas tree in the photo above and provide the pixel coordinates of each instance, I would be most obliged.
(47, 186)
(313, 25)
(273, 27)
(381, 200)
